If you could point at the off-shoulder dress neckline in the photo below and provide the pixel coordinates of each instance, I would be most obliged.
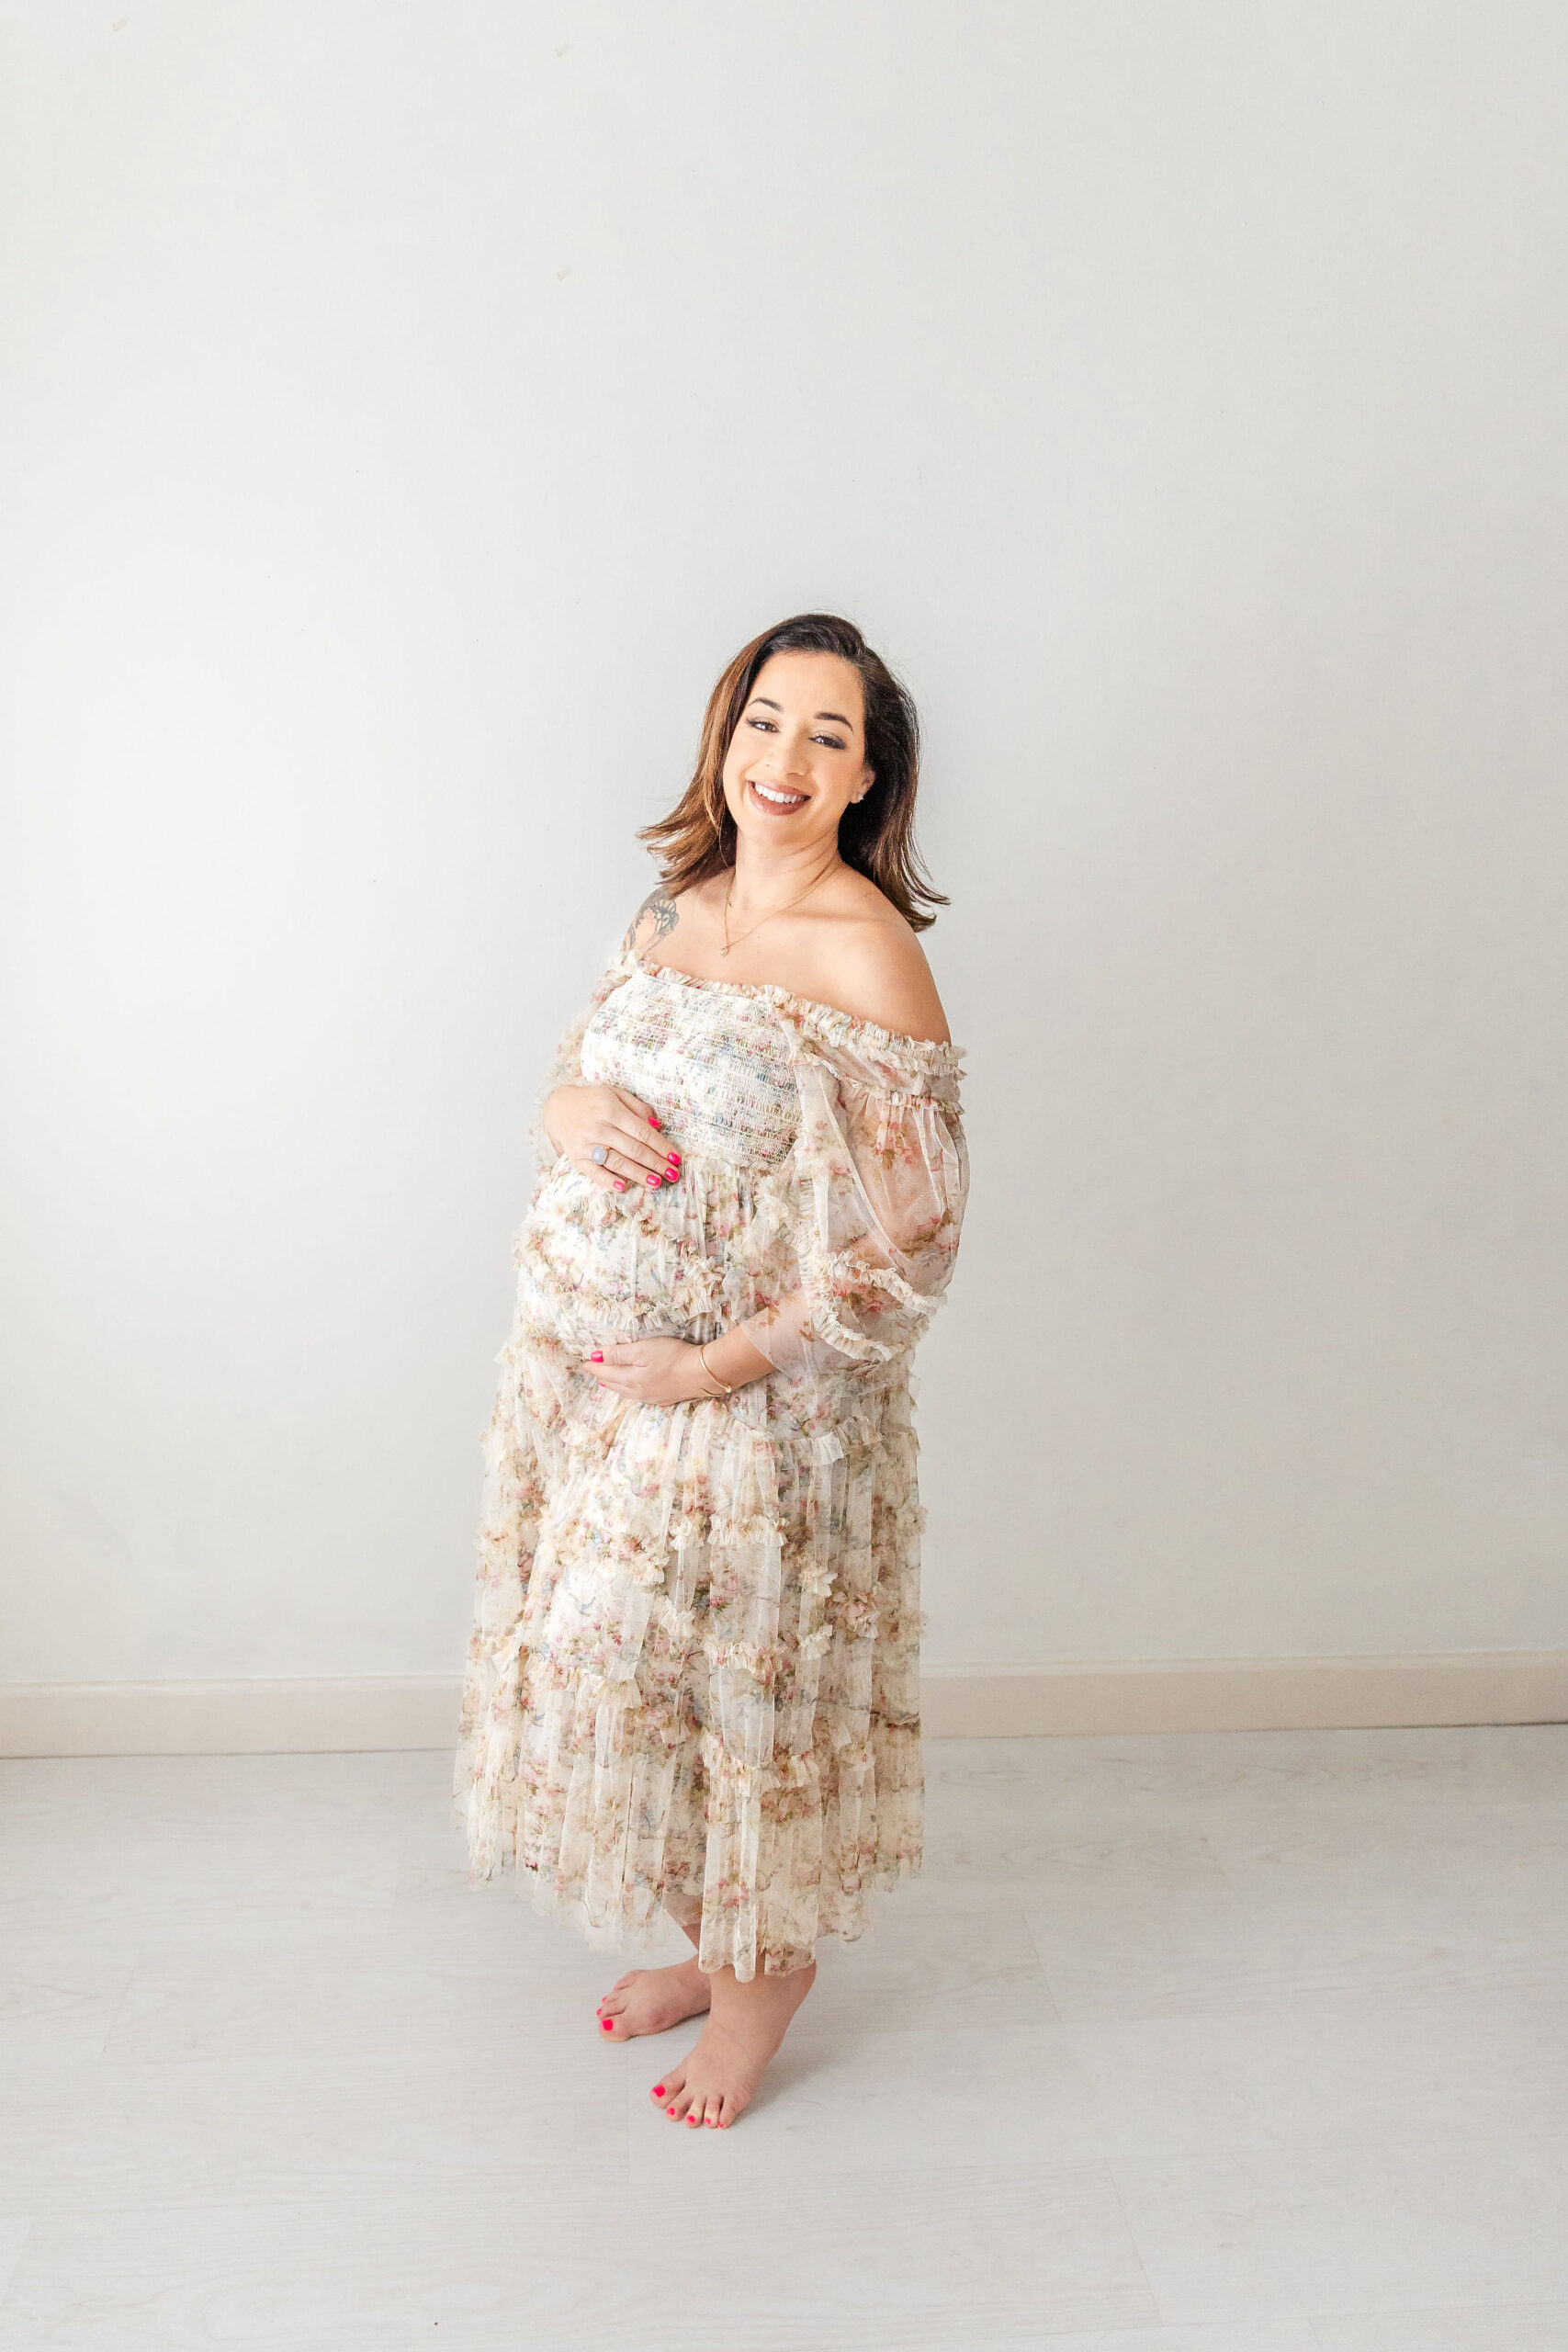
(930, 1053)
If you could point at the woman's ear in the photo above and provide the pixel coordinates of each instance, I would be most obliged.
(868, 778)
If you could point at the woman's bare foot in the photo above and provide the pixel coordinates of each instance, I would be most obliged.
(717, 2079)
(650, 2000)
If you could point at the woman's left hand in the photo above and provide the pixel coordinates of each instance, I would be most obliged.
(651, 1371)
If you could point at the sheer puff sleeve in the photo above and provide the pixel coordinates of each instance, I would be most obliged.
(566, 1070)
(880, 1177)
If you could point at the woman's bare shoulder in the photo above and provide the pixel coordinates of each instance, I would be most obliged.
(675, 930)
(654, 921)
(879, 973)
(658, 916)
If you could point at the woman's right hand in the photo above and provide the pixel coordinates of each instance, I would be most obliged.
(579, 1117)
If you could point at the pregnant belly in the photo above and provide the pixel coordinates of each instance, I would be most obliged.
(594, 1268)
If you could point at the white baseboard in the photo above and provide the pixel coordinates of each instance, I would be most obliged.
(957, 1701)
(300, 1713)
(1245, 1693)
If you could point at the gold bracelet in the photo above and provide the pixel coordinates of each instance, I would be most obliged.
(721, 1389)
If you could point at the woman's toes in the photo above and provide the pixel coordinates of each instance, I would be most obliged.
(615, 1999)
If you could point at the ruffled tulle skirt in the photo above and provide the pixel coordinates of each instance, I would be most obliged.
(693, 1671)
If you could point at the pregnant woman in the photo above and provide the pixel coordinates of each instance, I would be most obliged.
(693, 1685)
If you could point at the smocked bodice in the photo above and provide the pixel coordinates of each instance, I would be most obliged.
(713, 1063)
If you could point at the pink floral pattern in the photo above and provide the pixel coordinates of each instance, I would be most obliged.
(694, 1665)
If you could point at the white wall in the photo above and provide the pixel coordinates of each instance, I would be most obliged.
(408, 408)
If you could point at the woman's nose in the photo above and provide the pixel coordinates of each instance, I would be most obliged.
(783, 765)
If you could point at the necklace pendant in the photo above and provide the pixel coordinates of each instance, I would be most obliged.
(724, 951)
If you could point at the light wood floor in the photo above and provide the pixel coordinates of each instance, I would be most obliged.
(1231, 2042)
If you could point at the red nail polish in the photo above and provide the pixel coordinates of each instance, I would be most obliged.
(653, 1180)
(658, 2090)
(651, 1120)
(672, 1175)
(669, 2110)
(597, 1357)
(607, 2026)
(674, 1155)
(620, 1183)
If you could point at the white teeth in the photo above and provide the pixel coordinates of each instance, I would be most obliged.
(779, 799)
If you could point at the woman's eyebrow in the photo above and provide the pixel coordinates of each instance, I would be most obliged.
(822, 714)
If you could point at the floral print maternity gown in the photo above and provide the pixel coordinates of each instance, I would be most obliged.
(694, 1665)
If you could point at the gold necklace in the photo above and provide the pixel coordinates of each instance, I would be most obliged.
(730, 943)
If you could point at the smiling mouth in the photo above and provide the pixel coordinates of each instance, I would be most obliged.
(773, 796)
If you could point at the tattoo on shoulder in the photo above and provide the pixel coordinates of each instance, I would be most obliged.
(654, 919)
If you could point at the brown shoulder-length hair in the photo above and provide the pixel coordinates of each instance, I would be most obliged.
(876, 835)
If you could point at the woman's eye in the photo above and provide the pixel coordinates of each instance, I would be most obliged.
(766, 727)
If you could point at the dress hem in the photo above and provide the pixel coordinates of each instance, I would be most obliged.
(532, 1885)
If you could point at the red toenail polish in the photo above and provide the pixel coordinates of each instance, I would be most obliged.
(658, 2090)
(605, 2023)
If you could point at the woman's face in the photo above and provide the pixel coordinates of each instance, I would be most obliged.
(798, 758)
